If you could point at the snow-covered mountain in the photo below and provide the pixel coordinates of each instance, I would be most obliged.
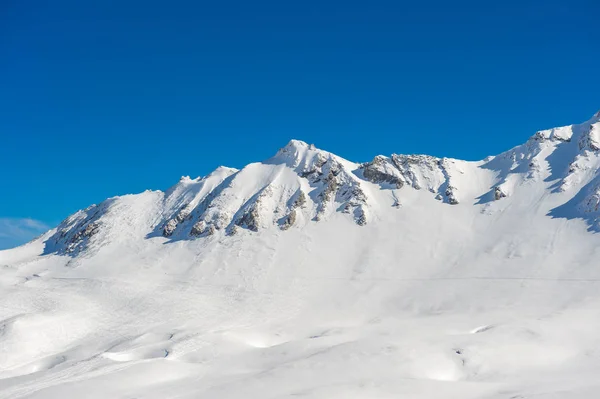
(311, 275)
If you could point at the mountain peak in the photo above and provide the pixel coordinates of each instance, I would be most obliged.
(297, 153)
(222, 170)
(297, 147)
(298, 144)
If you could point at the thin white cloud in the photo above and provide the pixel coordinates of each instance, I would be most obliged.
(17, 231)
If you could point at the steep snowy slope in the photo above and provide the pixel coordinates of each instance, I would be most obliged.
(310, 275)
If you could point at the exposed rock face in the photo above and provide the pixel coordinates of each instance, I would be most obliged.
(200, 228)
(557, 134)
(361, 219)
(592, 202)
(382, 170)
(332, 182)
(300, 200)
(499, 194)
(88, 231)
(340, 187)
(416, 171)
(289, 220)
(590, 140)
(180, 217)
(169, 227)
(250, 214)
(74, 232)
(451, 195)
(249, 220)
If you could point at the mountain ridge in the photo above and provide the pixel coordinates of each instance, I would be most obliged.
(302, 183)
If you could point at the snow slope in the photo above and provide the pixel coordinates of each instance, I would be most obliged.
(308, 275)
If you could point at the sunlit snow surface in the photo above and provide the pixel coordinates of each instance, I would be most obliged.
(483, 299)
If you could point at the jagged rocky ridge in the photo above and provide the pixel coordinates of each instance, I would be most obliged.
(302, 184)
(416, 171)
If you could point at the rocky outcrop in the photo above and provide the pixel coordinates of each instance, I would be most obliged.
(450, 194)
(558, 134)
(289, 220)
(592, 202)
(416, 171)
(499, 193)
(300, 200)
(87, 232)
(200, 228)
(381, 170)
(171, 225)
(74, 233)
(590, 140)
(250, 220)
(232, 230)
(250, 213)
(335, 184)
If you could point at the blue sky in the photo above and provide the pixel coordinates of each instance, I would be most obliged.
(106, 98)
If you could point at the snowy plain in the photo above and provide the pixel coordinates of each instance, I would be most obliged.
(308, 275)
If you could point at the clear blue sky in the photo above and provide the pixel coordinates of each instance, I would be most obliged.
(99, 98)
